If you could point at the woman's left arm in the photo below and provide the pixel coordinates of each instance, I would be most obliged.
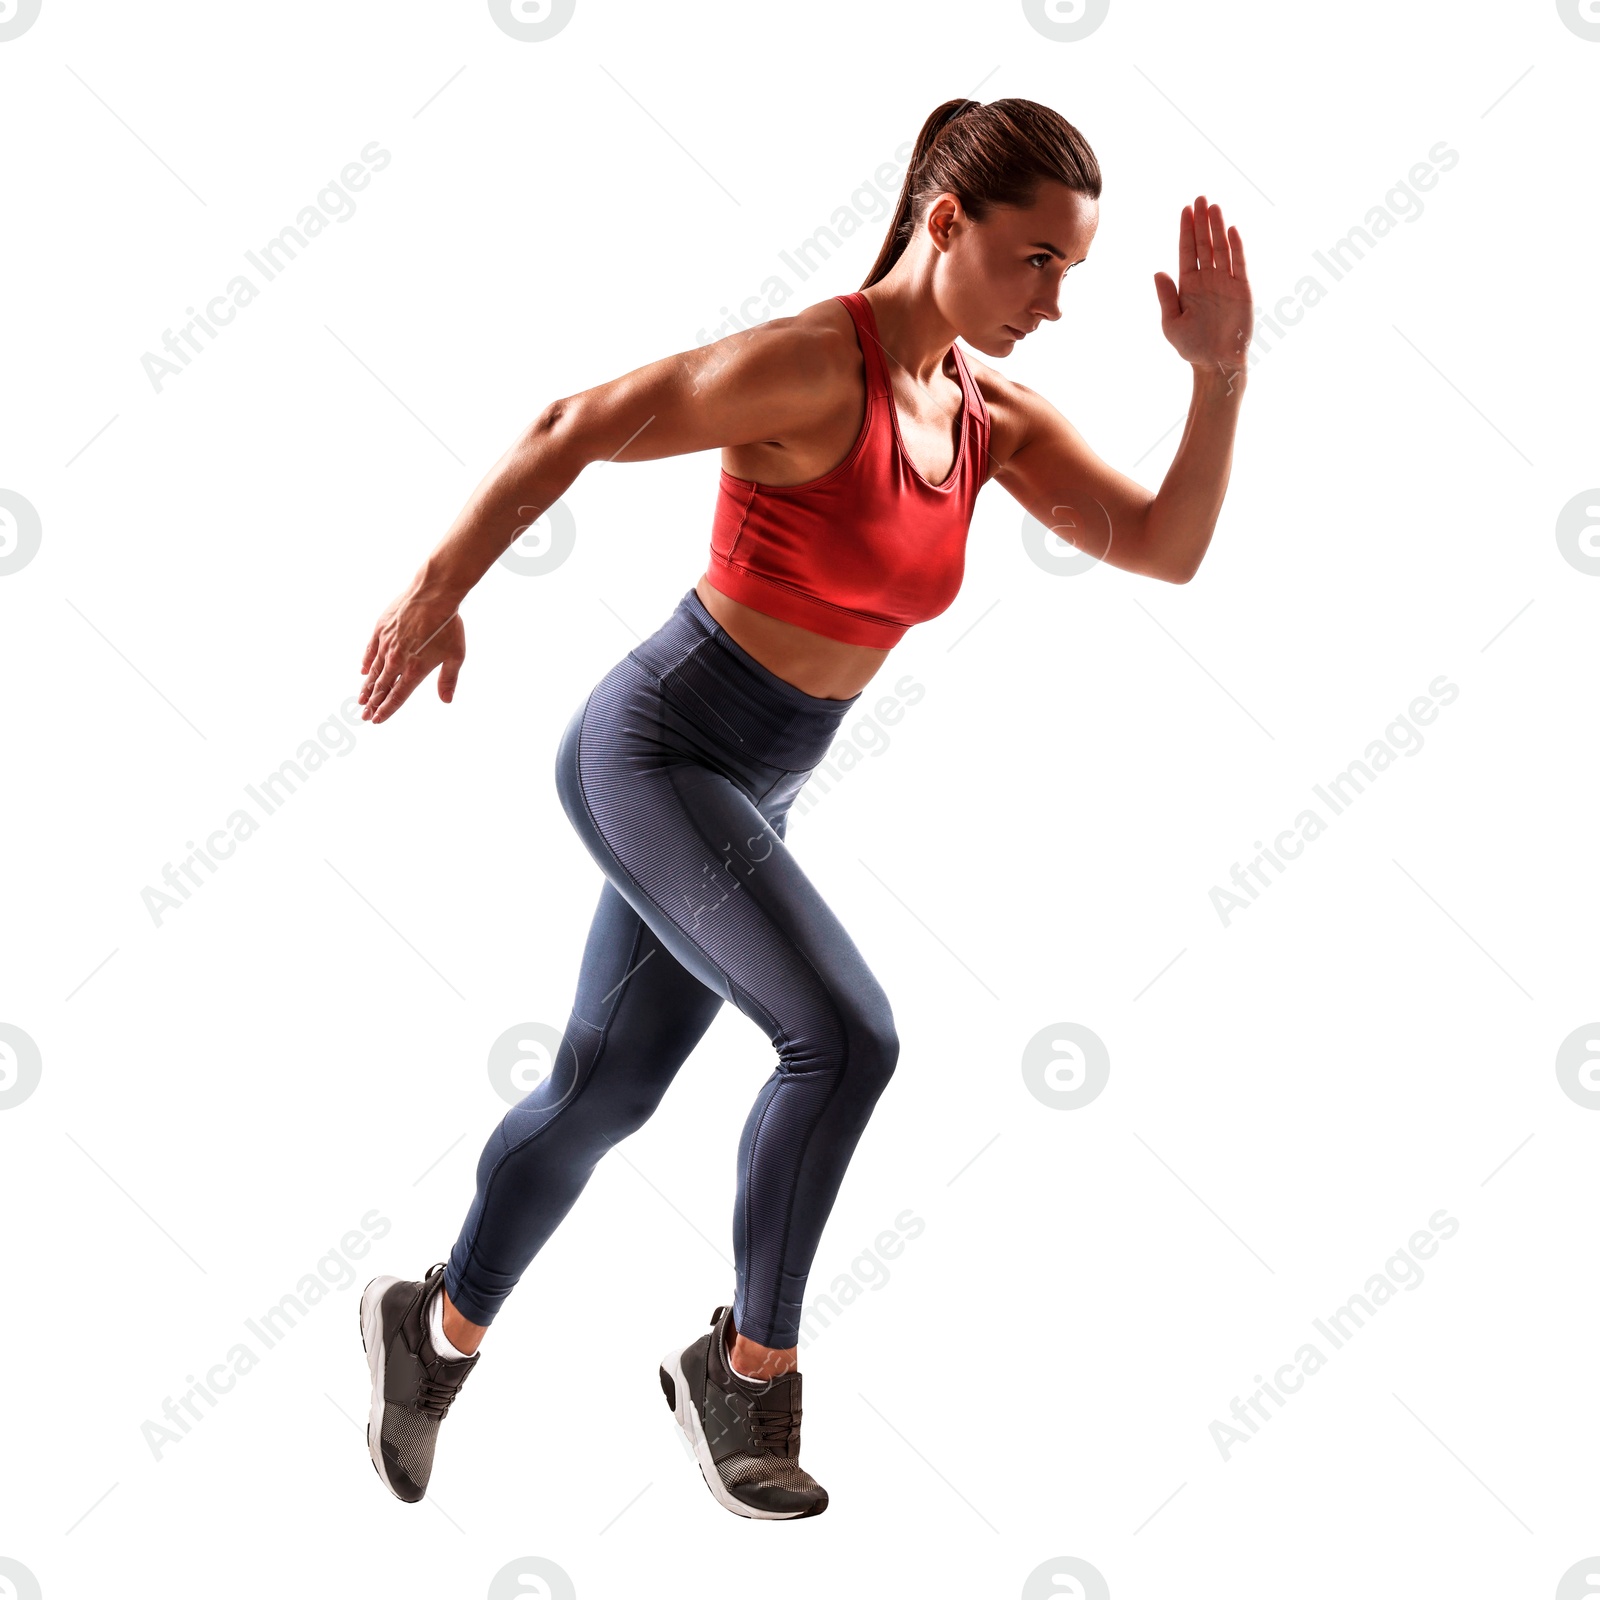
(1042, 460)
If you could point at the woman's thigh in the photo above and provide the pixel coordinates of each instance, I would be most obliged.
(707, 869)
(638, 1006)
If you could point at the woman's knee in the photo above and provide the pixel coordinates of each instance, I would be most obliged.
(848, 1028)
(872, 1042)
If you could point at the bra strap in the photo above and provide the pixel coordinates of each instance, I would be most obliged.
(969, 384)
(975, 407)
(866, 336)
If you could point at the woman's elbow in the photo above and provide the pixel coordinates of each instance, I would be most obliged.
(559, 429)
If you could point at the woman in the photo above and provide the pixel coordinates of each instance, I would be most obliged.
(854, 437)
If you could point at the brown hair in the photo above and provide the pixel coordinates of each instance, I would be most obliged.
(987, 155)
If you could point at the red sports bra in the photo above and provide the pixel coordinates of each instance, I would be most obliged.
(869, 549)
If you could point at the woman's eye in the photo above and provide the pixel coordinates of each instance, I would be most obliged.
(1042, 258)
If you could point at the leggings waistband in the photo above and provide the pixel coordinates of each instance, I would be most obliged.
(733, 697)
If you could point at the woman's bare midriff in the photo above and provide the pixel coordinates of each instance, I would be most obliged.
(813, 663)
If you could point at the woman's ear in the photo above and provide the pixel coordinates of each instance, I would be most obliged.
(943, 217)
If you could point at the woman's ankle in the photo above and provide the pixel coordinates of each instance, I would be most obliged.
(465, 1336)
(752, 1360)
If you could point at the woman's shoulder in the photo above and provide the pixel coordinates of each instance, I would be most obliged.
(814, 350)
(1011, 406)
(820, 334)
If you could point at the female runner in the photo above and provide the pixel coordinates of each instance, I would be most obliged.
(854, 436)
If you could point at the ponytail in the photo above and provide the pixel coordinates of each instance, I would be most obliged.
(987, 155)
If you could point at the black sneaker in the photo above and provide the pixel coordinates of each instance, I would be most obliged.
(745, 1432)
(412, 1384)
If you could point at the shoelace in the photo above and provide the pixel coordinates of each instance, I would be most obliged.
(434, 1393)
(772, 1427)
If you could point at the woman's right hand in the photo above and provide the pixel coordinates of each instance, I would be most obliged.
(417, 633)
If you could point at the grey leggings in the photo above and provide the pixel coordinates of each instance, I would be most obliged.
(678, 772)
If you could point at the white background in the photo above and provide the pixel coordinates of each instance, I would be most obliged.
(1291, 1096)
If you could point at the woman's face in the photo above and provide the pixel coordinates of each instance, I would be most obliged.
(997, 280)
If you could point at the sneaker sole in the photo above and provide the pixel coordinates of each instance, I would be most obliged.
(676, 1389)
(372, 1342)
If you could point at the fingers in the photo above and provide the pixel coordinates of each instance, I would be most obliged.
(394, 689)
(1202, 244)
(1237, 244)
(392, 697)
(373, 669)
(1219, 239)
(380, 682)
(394, 677)
(1205, 239)
(372, 662)
(1207, 242)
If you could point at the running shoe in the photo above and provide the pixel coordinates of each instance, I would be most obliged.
(745, 1432)
(412, 1384)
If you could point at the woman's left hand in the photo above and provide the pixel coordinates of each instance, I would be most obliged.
(1207, 314)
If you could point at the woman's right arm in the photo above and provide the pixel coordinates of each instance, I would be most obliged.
(763, 383)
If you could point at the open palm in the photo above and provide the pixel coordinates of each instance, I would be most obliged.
(1207, 315)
